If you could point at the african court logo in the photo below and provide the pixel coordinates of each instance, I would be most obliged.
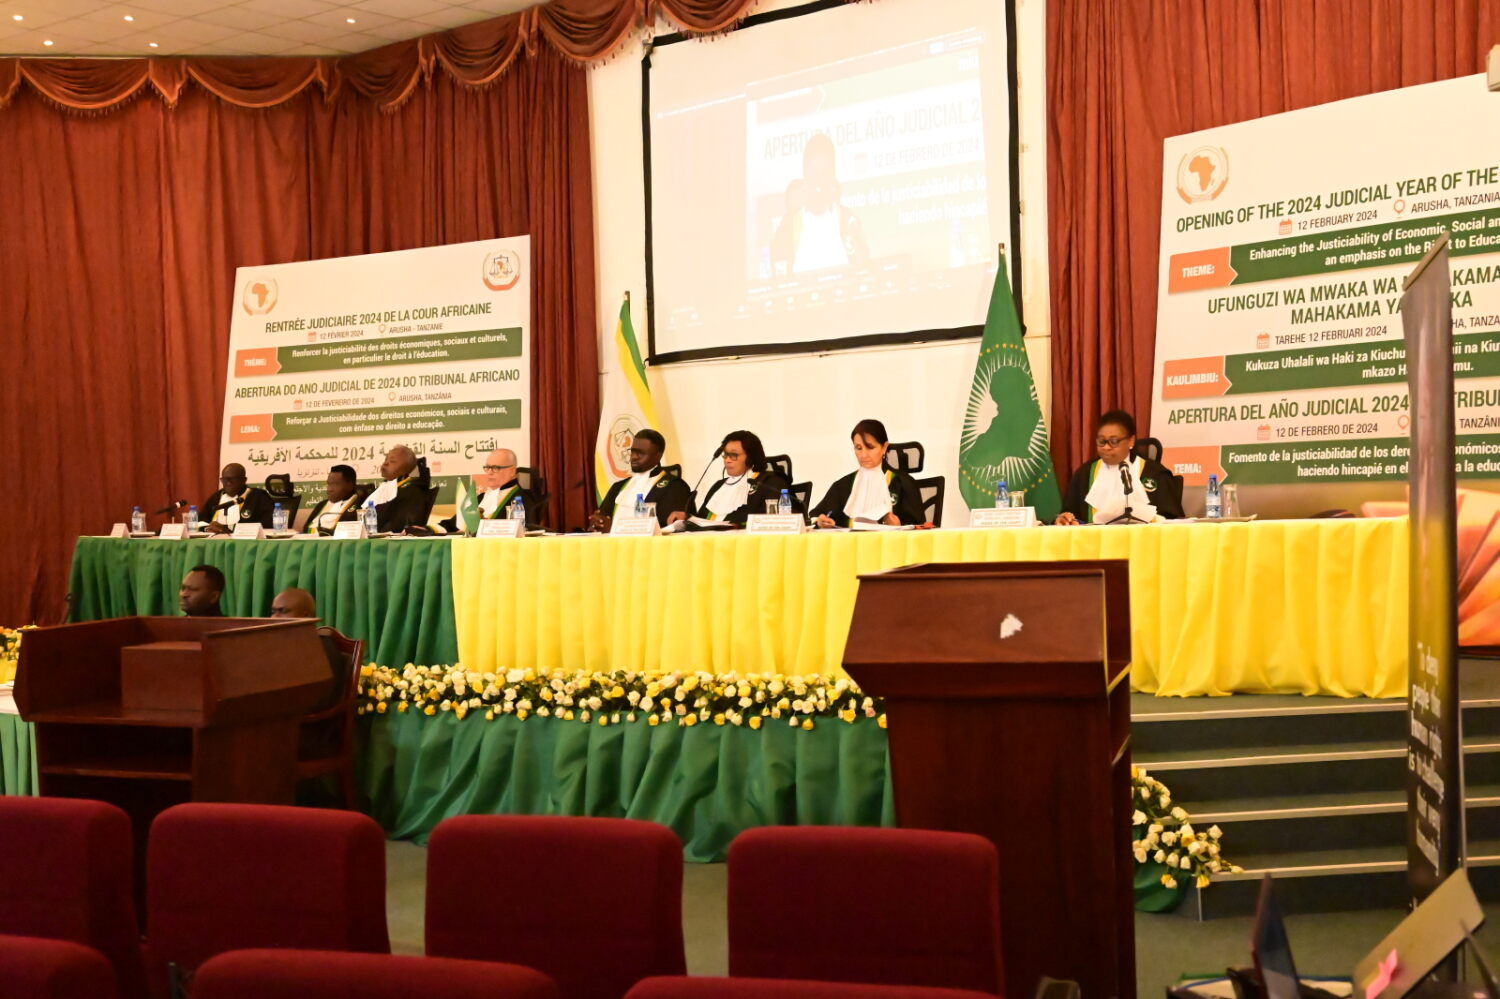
(502, 269)
(1202, 174)
(260, 296)
(622, 430)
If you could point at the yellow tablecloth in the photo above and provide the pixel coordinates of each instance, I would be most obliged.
(1311, 607)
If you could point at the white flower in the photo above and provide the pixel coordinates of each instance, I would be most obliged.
(1138, 818)
(1213, 849)
(1160, 857)
(1166, 800)
(524, 705)
(1169, 838)
(1187, 829)
(1215, 832)
(595, 703)
(646, 703)
(1186, 864)
(1195, 848)
(1177, 813)
(1140, 855)
(1155, 827)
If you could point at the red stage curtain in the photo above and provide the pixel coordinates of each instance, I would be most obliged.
(122, 231)
(1122, 77)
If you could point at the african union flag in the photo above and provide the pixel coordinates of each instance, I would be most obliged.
(1004, 436)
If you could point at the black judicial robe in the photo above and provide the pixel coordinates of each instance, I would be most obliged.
(255, 506)
(408, 508)
(1153, 478)
(668, 492)
(906, 499)
(352, 513)
(765, 486)
(533, 509)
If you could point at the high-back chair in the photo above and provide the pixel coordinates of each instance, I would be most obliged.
(70, 876)
(35, 968)
(594, 903)
(906, 907)
(312, 974)
(223, 877)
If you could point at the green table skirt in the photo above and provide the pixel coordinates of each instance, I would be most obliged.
(397, 595)
(17, 756)
(707, 783)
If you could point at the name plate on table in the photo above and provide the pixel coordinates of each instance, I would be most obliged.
(173, 532)
(119, 531)
(501, 529)
(353, 530)
(248, 532)
(776, 523)
(634, 527)
(1003, 516)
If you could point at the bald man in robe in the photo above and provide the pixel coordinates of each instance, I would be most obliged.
(401, 500)
(236, 500)
(501, 490)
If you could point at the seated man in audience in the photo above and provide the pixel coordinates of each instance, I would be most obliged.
(202, 592)
(648, 479)
(342, 502)
(401, 500)
(501, 490)
(297, 603)
(235, 501)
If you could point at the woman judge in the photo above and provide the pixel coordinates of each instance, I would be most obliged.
(873, 492)
(746, 486)
(1096, 493)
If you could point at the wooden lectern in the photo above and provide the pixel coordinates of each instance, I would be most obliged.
(1008, 711)
(149, 712)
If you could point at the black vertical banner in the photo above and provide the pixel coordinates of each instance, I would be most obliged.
(1434, 751)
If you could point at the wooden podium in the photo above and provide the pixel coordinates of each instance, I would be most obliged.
(149, 712)
(1008, 712)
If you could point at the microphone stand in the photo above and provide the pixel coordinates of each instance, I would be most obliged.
(1127, 517)
(717, 451)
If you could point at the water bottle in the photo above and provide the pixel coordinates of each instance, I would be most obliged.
(137, 521)
(640, 504)
(278, 519)
(371, 518)
(518, 510)
(1002, 494)
(784, 505)
(191, 520)
(1211, 507)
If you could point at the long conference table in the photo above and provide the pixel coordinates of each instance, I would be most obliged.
(1298, 606)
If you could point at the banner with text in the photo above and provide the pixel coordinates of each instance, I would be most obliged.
(1284, 241)
(336, 361)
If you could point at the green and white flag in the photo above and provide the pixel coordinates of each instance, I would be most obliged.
(468, 507)
(1004, 436)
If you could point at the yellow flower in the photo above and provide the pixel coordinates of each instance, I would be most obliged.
(653, 721)
(719, 718)
(848, 715)
(367, 670)
(431, 709)
(807, 724)
(1203, 881)
(603, 720)
(522, 714)
(380, 708)
(689, 721)
(489, 716)
(653, 688)
(881, 720)
(546, 694)
(618, 691)
(402, 706)
(755, 721)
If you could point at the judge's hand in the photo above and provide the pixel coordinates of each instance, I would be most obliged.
(598, 521)
(1065, 518)
(891, 520)
(824, 521)
(677, 515)
(214, 528)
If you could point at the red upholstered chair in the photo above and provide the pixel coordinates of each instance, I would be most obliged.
(595, 903)
(880, 906)
(786, 988)
(34, 968)
(312, 974)
(69, 875)
(231, 877)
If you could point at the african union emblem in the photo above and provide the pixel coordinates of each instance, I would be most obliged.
(1202, 174)
(1004, 438)
(260, 296)
(622, 430)
(502, 269)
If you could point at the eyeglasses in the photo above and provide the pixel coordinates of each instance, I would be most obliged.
(497, 468)
(1109, 441)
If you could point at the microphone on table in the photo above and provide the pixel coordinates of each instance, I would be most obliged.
(717, 451)
(174, 506)
(1125, 477)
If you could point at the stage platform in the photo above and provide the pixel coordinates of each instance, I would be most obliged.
(1312, 789)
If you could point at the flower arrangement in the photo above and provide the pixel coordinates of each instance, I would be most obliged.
(610, 698)
(10, 651)
(1166, 835)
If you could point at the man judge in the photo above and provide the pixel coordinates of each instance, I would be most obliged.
(235, 501)
(501, 490)
(401, 500)
(647, 479)
(342, 502)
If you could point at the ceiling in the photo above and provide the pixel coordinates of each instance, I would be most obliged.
(228, 27)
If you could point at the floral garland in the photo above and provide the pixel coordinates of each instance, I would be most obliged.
(1166, 835)
(10, 651)
(610, 698)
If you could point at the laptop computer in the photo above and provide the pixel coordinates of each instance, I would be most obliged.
(1422, 941)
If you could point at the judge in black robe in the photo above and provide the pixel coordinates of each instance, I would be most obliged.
(408, 505)
(870, 445)
(747, 486)
(253, 505)
(648, 478)
(342, 500)
(1114, 439)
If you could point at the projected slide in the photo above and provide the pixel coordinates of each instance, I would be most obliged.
(836, 176)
